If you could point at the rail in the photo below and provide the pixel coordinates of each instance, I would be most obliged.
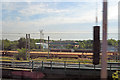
(58, 64)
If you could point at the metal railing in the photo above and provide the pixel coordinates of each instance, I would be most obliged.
(59, 64)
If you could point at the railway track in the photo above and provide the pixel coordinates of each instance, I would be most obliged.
(56, 53)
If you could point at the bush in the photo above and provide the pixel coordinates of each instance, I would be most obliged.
(21, 54)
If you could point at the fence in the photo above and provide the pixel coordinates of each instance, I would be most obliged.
(58, 64)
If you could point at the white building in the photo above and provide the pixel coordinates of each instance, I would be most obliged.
(45, 45)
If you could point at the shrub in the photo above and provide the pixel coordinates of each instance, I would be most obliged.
(21, 54)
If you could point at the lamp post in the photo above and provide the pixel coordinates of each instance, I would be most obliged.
(104, 43)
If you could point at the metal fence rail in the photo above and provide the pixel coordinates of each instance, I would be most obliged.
(59, 64)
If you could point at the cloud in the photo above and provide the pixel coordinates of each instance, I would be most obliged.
(50, 0)
(66, 20)
(18, 18)
(49, 22)
(74, 14)
(10, 6)
(77, 12)
(71, 15)
(113, 12)
(40, 9)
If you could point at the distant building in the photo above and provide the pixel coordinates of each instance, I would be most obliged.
(45, 45)
(63, 44)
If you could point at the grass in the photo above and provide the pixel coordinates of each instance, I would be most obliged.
(68, 60)
(11, 59)
(6, 58)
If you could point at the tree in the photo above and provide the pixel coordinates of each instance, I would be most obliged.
(13, 45)
(69, 46)
(21, 43)
(6, 44)
(112, 42)
(75, 48)
(81, 45)
(21, 54)
(89, 44)
(32, 44)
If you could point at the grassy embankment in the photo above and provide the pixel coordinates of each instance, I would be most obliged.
(68, 60)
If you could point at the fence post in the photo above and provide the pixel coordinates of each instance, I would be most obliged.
(12, 64)
(32, 64)
(51, 65)
(79, 65)
(110, 67)
(65, 65)
(94, 67)
(29, 63)
(42, 65)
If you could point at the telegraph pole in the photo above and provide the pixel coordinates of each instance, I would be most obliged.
(42, 38)
(28, 46)
(104, 43)
(60, 45)
(48, 46)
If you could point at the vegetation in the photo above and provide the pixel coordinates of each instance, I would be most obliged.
(85, 44)
(112, 42)
(21, 54)
(69, 46)
(70, 60)
(19, 44)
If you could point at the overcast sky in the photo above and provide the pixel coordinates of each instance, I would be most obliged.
(53, 16)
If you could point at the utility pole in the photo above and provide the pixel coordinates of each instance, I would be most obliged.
(104, 43)
(60, 45)
(42, 38)
(28, 46)
(48, 46)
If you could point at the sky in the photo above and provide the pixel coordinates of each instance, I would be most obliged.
(56, 16)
